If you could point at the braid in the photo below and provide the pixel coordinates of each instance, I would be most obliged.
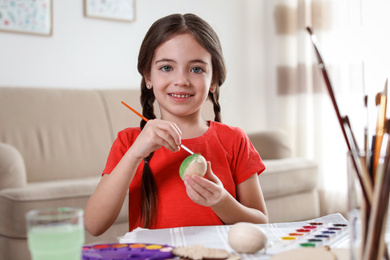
(149, 188)
(149, 195)
(214, 97)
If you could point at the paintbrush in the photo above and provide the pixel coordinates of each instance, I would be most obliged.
(343, 121)
(146, 120)
(381, 103)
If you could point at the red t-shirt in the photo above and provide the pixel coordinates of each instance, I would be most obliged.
(233, 160)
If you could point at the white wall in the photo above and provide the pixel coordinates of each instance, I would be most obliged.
(94, 53)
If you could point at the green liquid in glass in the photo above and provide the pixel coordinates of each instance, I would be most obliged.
(56, 242)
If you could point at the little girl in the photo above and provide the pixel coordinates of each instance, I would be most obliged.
(181, 64)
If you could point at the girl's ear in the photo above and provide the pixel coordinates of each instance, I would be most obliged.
(212, 88)
(148, 82)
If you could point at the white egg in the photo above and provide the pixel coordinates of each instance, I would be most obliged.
(247, 238)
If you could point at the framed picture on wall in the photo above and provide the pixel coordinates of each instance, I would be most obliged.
(123, 10)
(27, 16)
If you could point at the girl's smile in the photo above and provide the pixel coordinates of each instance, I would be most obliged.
(180, 97)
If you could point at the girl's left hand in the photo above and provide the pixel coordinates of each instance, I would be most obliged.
(205, 192)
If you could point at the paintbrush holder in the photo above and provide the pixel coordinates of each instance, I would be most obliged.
(355, 209)
(368, 209)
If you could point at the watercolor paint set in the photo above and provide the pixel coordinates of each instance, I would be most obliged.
(125, 251)
(312, 234)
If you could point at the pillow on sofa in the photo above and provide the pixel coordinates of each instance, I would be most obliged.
(271, 144)
(12, 168)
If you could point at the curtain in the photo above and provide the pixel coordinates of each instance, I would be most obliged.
(299, 102)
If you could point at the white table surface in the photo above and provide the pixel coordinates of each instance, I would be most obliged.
(217, 236)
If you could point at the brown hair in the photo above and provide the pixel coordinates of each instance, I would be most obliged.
(161, 31)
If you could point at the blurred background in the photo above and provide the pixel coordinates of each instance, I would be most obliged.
(273, 79)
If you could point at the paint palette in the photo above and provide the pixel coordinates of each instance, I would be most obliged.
(312, 234)
(123, 251)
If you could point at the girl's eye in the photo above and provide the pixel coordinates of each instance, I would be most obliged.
(166, 68)
(197, 70)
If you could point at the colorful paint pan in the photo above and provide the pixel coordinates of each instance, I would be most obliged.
(137, 245)
(315, 240)
(309, 227)
(153, 247)
(302, 230)
(329, 233)
(104, 246)
(340, 225)
(308, 245)
(324, 237)
(288, 238)
(343, 226)
(316, 223)
(296, 234)
(119, 245)
(335, 229)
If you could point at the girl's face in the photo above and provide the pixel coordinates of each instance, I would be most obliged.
(181, 74)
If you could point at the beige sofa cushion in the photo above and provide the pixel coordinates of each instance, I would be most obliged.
(12, 168)
(288, 176)
(271, 144)
(295, 207)
(61, 134)
(120, 116)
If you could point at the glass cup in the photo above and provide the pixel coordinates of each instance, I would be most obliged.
(358, 215)
(354, 210)
(55, 233)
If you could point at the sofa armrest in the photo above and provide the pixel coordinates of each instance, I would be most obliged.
(12, 167)
(16, 202)
(271, 144)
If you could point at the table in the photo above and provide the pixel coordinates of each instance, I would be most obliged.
(217, 236)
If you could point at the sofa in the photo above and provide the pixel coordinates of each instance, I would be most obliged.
(54, 144)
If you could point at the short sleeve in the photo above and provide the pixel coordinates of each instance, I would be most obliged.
(248, 160)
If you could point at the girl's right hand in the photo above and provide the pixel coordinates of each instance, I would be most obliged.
(155, 134)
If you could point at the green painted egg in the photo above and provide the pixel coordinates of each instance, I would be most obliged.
(193, 164)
